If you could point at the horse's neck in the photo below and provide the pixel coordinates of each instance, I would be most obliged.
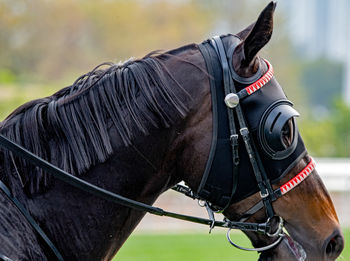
(18, 240)
(87, 228)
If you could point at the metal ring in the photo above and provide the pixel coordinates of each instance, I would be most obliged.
(4, 258)
(279, 229)
(259, 249)
(201, 203)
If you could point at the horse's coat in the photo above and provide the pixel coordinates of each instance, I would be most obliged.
(137, 131)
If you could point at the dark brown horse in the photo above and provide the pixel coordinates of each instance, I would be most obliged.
(137, 129)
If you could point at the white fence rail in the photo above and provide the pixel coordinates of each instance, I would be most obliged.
(335, 173)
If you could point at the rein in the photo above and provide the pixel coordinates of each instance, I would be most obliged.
(109, 196)
(115, 198)
(268, 195)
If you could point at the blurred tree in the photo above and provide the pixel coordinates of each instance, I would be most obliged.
(319, 137)
(55, 38)
(329, 136)
(341, 124)
(7, 77)
(322, 81)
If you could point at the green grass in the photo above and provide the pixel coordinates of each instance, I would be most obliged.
(193, 247)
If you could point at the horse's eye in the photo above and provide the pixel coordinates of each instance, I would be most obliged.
(287, 133)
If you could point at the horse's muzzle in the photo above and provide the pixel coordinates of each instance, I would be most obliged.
(291, 250)
(334, 245)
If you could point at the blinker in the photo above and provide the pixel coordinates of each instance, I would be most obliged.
(255, 107)
(271, 129)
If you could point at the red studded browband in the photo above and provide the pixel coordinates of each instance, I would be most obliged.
(286, 187)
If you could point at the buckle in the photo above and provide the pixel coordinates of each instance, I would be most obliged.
(264, 194)
(234, 139)
(234, 144)
(203, 203)
(211, 216)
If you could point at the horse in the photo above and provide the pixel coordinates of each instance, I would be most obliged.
(139, 128)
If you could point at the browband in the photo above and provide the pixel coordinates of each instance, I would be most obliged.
(298, 178)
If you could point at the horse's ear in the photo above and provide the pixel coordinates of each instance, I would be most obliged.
(259, 34)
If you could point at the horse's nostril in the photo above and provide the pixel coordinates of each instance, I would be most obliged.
(334, 246)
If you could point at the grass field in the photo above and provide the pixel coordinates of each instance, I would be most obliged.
(193, 247)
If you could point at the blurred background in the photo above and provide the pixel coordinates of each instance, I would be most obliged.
(46, 44)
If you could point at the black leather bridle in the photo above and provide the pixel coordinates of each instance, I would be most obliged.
(268, 195)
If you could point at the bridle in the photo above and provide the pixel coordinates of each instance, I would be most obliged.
(234, 110)
(268, 195)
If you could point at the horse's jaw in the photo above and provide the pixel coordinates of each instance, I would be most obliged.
(295, 248)
(287, 250)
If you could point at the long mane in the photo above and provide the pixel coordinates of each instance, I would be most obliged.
(70, 128)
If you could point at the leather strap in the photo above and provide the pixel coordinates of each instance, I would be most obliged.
(219, 181)
(31, 221)
(260, 175)
(107, 195)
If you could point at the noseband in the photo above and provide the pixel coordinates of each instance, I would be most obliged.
(205, 192)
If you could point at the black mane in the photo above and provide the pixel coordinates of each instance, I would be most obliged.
(70, 128)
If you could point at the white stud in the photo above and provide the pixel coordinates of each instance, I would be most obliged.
(231, 100)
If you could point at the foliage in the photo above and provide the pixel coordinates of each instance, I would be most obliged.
(6, 77)
(329, 136)
(341, 125)
(53, 39)
(322, 81)
(46, 43)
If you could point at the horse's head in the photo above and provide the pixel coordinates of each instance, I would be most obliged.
(309, 218)
(307, 210)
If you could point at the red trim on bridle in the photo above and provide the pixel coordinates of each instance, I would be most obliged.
(262, 81)
(311, 166)
(298, 178)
